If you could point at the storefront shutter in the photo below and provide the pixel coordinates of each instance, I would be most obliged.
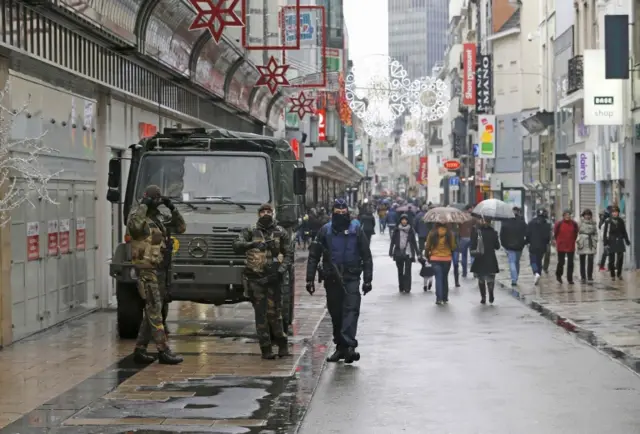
(588, 197)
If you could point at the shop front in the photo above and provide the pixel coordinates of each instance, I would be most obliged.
(330, 173)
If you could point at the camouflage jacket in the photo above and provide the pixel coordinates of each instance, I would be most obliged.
(258, 261)
(148, 232)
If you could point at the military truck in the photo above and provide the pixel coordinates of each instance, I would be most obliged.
(217, 179)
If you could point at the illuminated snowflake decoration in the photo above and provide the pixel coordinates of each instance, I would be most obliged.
(273, 75)
(215, 15)
(428, 98)
(412, 143)
(301, 105)
(379, 121)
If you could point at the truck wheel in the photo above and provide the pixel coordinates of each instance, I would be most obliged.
(130, 308)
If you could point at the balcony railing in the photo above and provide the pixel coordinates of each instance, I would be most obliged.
(576, 74)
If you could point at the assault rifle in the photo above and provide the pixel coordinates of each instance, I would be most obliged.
(166, 264)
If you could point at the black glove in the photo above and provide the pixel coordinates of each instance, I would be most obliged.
(366, 288)
(148, 201)
(282, 269)
(167, 202)
(311, 288)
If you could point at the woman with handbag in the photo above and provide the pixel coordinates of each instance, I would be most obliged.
(484, 243)
(439, 248)
(587, 244)
(404, 250)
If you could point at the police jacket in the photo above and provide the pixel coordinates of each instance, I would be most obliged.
(148, 230)
(263, 261)
(345, 252)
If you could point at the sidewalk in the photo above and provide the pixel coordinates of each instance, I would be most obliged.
(605, 314)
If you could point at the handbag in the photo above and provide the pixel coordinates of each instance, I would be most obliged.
(427, 270)
(479, 250)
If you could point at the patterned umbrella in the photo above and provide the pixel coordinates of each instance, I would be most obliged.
(494, 209)
(446, 215)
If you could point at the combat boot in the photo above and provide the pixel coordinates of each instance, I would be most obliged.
(283, 348)
(267, 353)
(351, 355)
(141, 357)
(490, 286)
(483, 291)
(167, 357)
(337, 355)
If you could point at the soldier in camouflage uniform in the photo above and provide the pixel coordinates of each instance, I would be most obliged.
(148, 230)
(269, 251)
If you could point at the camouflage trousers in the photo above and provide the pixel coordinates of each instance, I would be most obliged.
(267, 304)
(151, 326)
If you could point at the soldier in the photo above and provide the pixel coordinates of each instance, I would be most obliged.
(269, 251)
(344, 250)
(147, 228)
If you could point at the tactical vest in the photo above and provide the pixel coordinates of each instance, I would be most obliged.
(149, 252)
(258, 260)
(344, 245)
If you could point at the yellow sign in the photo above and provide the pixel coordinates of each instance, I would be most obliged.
(176, 245)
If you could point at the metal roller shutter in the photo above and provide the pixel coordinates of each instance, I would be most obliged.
(587, 194)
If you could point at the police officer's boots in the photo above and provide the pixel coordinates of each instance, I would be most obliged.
(267, 353)
(490, 286)
(351, 355)
(483, 291)
(142, 357)
(337, 355)
(168, 357)
(283, 348)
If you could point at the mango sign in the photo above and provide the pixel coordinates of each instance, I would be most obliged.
(452, 164)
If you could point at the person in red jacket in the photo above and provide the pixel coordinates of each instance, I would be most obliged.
(565, 232)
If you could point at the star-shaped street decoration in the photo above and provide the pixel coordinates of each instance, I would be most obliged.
(301, 105)
(215, 15)
(273, 75)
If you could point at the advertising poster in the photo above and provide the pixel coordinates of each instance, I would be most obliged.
(65, 226)
(52, 237)
(81, 234)
(487, 131)
(33, 241)
(469, 74)
(423, 171)
(602, 97)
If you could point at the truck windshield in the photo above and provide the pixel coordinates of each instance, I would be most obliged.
(241, 178)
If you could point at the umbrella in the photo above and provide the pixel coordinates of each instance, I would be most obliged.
(446, 215)
(494, 209)
(460, 206)
(402, 208)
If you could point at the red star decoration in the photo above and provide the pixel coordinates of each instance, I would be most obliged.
(272, 75)
(301, 105)
(214, 16)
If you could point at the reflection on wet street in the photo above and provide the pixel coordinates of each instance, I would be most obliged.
(465, 368)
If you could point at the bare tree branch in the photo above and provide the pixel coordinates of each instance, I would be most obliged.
(21, 174)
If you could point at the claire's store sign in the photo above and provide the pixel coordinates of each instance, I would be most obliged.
(585, 168)
(469, 71)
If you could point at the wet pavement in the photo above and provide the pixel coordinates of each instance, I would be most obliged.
(466, 368)
(606, 314)
(78, 378)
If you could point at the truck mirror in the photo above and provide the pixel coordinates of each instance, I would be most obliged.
(114, 179)
(300, 181)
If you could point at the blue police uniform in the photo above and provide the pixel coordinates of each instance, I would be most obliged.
(345, 256)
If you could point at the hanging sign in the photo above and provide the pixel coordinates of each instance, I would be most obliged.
(65, 226)
(33, 241)
(469, 72)
(423, 175)
(81, 233)
(586, 168)
(322, 125)
(295, 147)
(452, 165)
(52, 237)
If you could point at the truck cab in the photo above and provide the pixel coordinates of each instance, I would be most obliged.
(217, 180)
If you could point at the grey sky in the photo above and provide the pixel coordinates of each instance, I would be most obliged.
(367, 27)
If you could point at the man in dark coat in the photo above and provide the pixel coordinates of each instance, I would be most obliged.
(538, 239)
(605, 252)
(368, 222)
(513, 237)
(615, 237)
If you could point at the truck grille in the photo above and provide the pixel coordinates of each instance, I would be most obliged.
(219, 247)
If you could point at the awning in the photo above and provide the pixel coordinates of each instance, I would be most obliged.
(330, 163)
(571, 99)
(538, 122)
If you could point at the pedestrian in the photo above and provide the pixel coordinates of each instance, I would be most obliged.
(148, 230)
(461, 255)
(538, 238)
(344, 250)
(605, 252)
(382, 216)
(368, 222)
(404, 251)
(269, 255)
(303, 232)
(587, 245)
(439, 248)
(421, 228)
(484, 243)
(392, 216)
(565, 233)
(615, 237)
(513, 237)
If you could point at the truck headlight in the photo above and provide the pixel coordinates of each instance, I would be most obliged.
(133, 274)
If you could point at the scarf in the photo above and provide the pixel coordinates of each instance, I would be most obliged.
(405, 247)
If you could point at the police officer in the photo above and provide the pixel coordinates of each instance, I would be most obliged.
(269, 251)
(345, 253)
(148, 230)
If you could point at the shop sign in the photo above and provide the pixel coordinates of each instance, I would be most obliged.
(484, 84)
(614, 158)
(452, 165)
(423, 171)
(146, 130)
(469, 71)
(333, 58)
(602, 97)
(322, 125)
(81, 233)
(563, 162)
(585, 168)
(65, 226)
(33, 241)
(52, 237)
(306, 27)
(454, 183)
(487, 130)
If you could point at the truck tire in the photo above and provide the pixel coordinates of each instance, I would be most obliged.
(130, 309)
